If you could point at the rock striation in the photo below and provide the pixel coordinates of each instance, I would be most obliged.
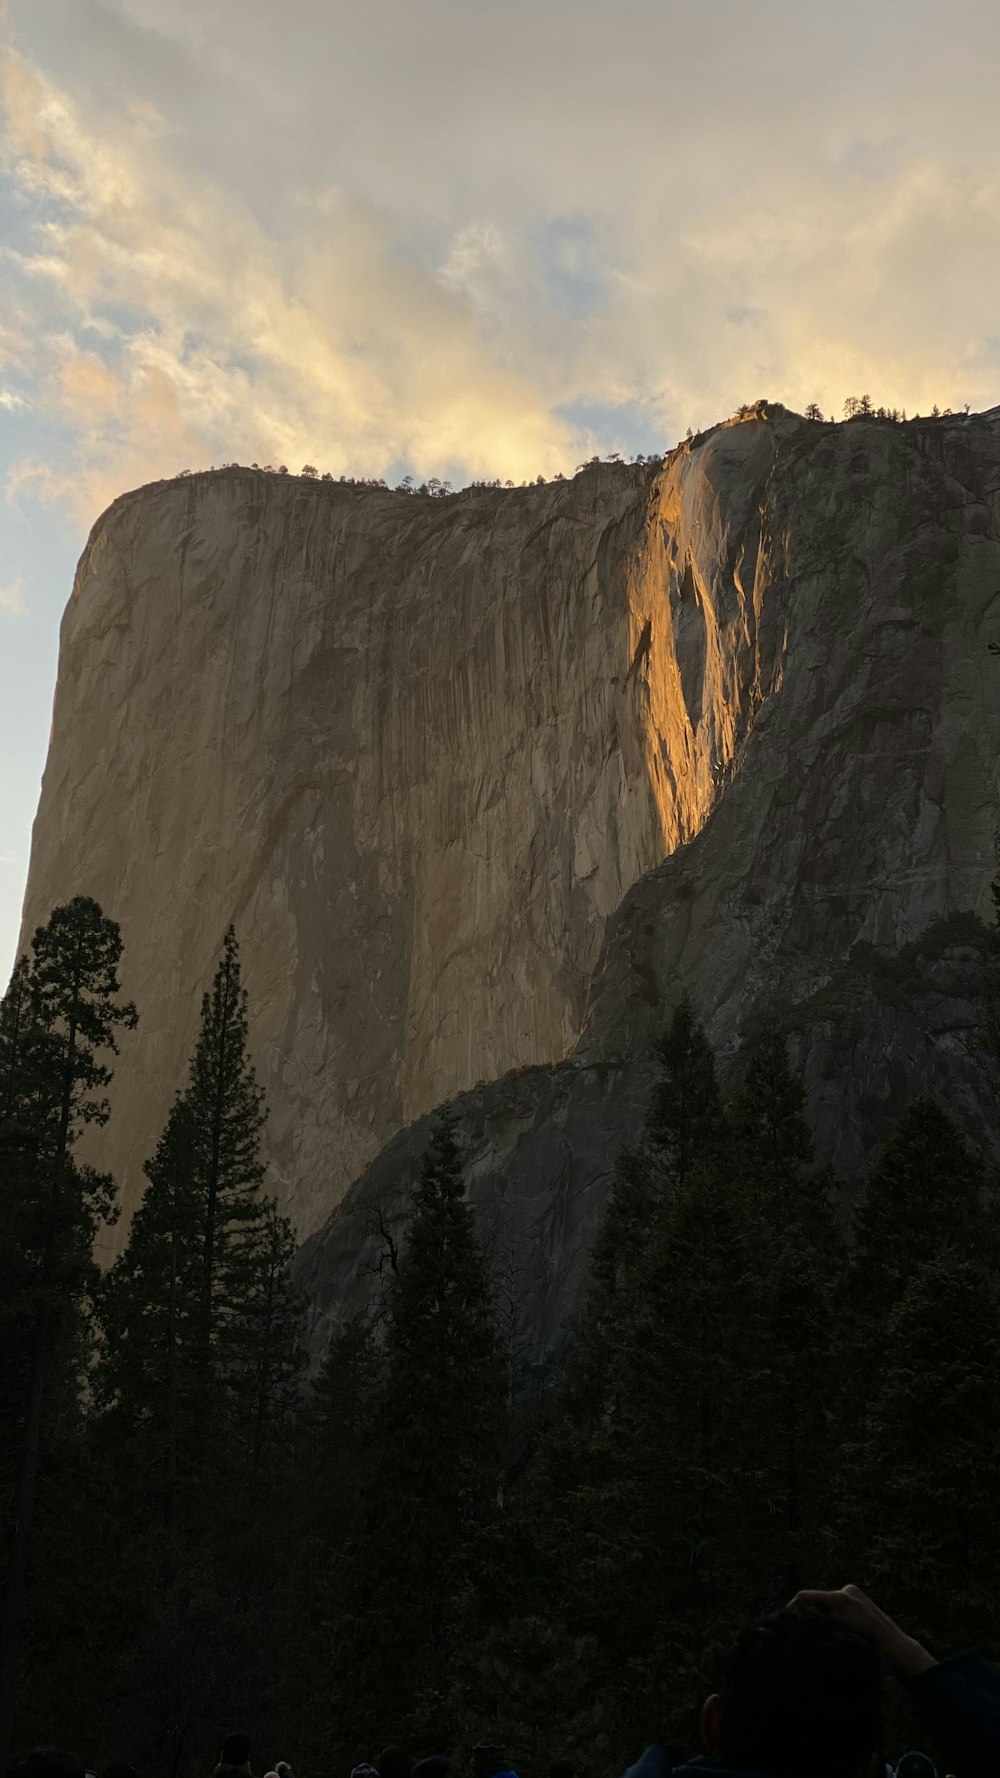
(484, 781)
(416, 749)
(840, 882)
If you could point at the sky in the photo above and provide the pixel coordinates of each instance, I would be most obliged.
(466, 238)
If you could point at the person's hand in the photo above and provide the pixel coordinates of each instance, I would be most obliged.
(904, 1656)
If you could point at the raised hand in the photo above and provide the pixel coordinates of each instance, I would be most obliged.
(903, 1655)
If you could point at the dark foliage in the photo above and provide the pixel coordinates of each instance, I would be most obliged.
(753, 1401)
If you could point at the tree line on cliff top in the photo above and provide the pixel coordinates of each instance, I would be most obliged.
(403, 1547)
(856, 407)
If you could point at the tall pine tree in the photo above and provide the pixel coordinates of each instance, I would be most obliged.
(329, 1458)
(622, 1495)
(177, 1304)
(918, 1361)
(803, 1253)
(147, 1383)
(227, 1113)
(433, 1468)
(201, 1360)
(59, 1023)
(921, 1465)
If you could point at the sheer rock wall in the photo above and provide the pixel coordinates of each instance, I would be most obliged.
(417, 749)
(484, 781)
(838, 886)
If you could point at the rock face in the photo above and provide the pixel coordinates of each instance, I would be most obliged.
(733, 719)
(836, 885)
(415, 749)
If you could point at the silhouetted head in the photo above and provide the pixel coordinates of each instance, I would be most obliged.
(392, 1762)
(800, 1692)
(434, 1766)
(236, 1751)
(119, 1769)
(562, 1768)
(916, 1765)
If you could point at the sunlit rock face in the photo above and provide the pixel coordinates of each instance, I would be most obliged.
(416, 749)
(484, 781)
(824, 598)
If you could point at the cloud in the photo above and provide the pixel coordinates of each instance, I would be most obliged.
(12, 599)
(345, 352)
(478, 240)
(11, 401)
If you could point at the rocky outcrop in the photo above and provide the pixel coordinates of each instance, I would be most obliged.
(417, 749)
(839, 882)
(484, 781)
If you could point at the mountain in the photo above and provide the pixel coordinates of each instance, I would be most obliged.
(485, 781)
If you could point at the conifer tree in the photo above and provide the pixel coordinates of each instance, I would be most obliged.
(927, 1192)
(263, 1355)
(695, 1471)
(919, 1473)
(434, 1459)
(927, 1223)
(330, 1458)
(684, 1126)
(60, 1018)
(227, 1113)
(333, 1426)
(622, 1468)
(803, 1255)
(684, 1129)
(200, 1363)
(201, 1334)
(149, 1309)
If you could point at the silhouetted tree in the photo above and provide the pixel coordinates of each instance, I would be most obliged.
(429, 1488)
(61, 1017)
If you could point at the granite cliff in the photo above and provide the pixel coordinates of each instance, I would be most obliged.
(484, 781)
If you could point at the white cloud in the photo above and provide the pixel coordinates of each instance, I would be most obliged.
(12, 599)
(11, 401)
(381, 234)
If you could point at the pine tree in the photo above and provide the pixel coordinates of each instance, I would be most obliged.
(920, 1470)
(333, 1425)
(60, 1016)
(434, 1462)
(200, 1368)
(146, 1385)
(803, 1253)
(926, 1193)
(592, 1389)
(226, 1107)
(684, 1127)
(617, 1485)
(925, 1249)
(263, 1355)
(202, 1346)
(330, 1457)
(695, 1469)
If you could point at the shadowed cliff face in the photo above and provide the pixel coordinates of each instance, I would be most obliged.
(733, 720)
(836, 883)
(416, 750)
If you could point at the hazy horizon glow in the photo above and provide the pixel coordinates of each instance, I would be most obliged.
(475, 238)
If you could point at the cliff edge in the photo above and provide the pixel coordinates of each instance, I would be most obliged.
(416, 749)
(838, 885)
(482, 781)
